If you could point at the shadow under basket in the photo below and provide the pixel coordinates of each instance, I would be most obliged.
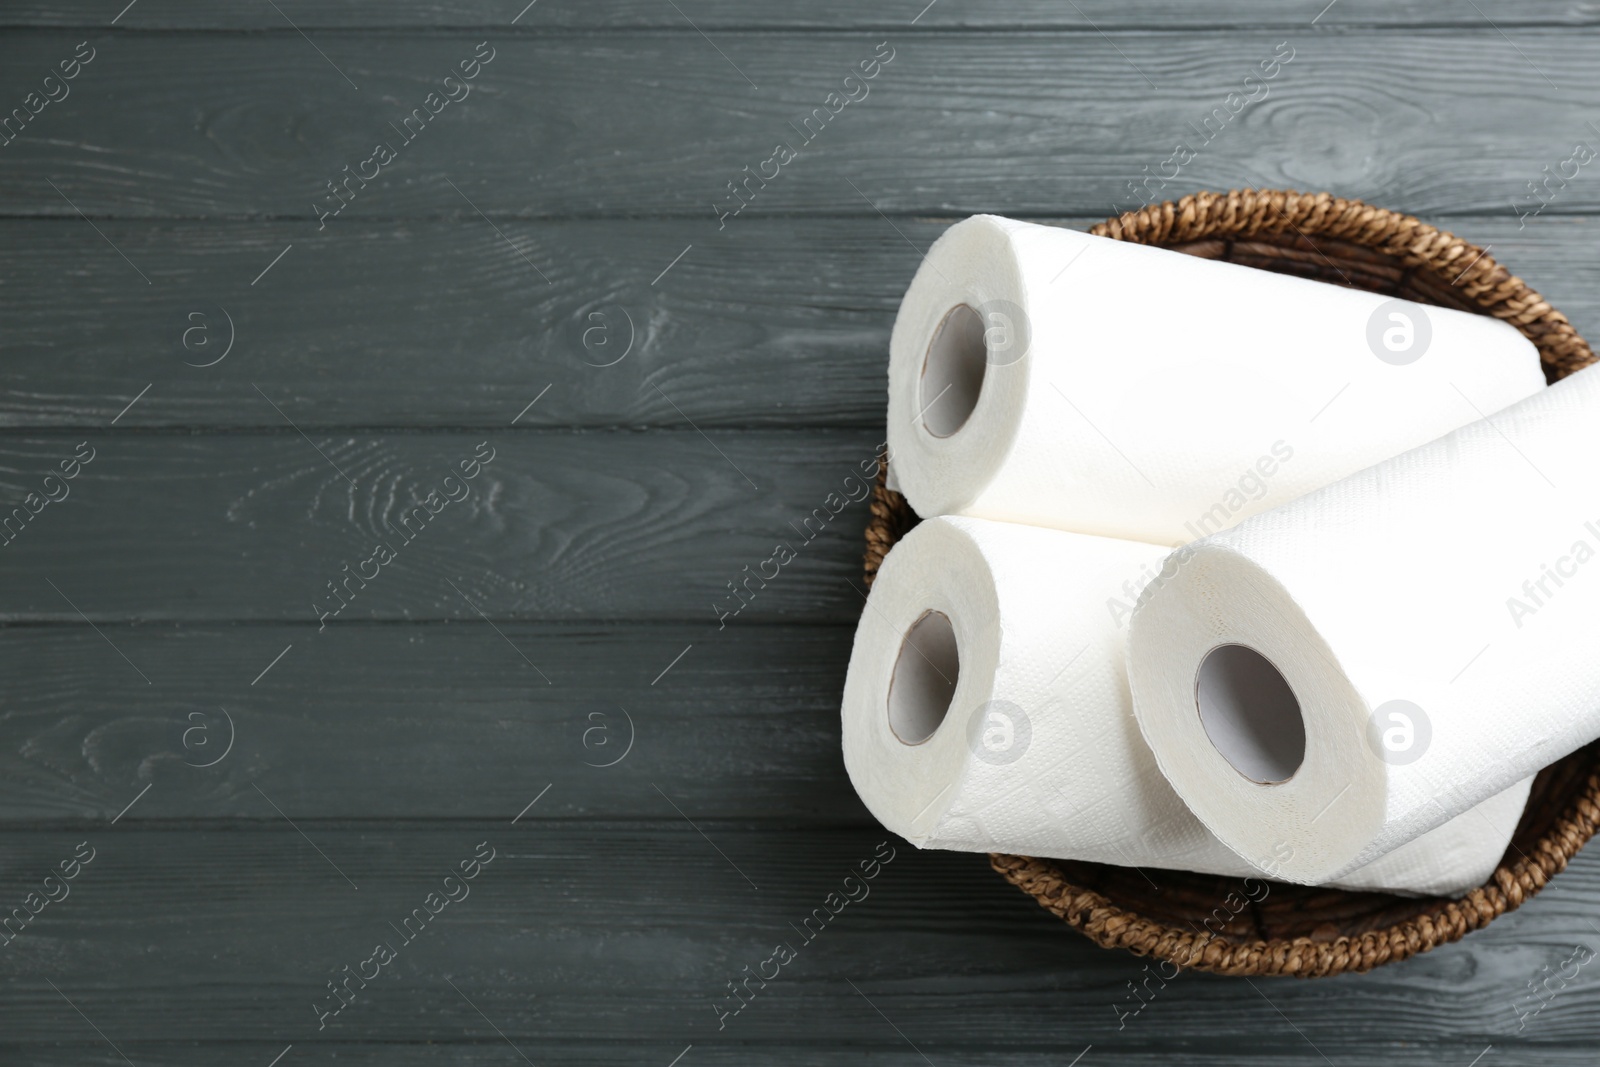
(1208, 922)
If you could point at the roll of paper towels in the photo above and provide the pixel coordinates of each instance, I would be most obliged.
(986, 708)
(1350, 670)
(1046, 376)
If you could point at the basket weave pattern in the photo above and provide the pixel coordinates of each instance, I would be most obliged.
(1212, 923)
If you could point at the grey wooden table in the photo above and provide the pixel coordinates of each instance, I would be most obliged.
(426, 371)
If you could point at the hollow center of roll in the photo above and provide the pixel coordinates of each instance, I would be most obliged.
(1250, 714)
(952, 371)
(924, 679)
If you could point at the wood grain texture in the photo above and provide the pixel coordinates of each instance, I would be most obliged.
(615, 932)
(786, 323)
(783, 324)
(368, 15)
(635, 124)
(491, 1051)
(424, 722)
(558, 526)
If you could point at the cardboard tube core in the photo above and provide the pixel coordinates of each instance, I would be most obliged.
(924, 678)
(1250, 714)
(952, 371)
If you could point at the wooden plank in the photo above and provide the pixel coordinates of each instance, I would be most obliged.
(608, 932)
(508, 15)
(793, 1055)
(614, 123)
(424, 721)
(786, 323)
(484, 1053)
(557, 526)
(444, 324)
(491, 1051)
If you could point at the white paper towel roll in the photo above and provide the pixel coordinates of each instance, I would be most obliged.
(1395, 647)
(1046, 376)
(986, 709)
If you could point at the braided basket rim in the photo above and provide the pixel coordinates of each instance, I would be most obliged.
(1487, 287)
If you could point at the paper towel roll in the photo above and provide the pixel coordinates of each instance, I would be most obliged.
(1390, 650)
(1043, 375)
(986, 709)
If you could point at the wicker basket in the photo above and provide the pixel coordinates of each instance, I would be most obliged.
(1207, 922)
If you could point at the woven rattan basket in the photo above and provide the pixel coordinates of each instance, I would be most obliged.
(1207, 922)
